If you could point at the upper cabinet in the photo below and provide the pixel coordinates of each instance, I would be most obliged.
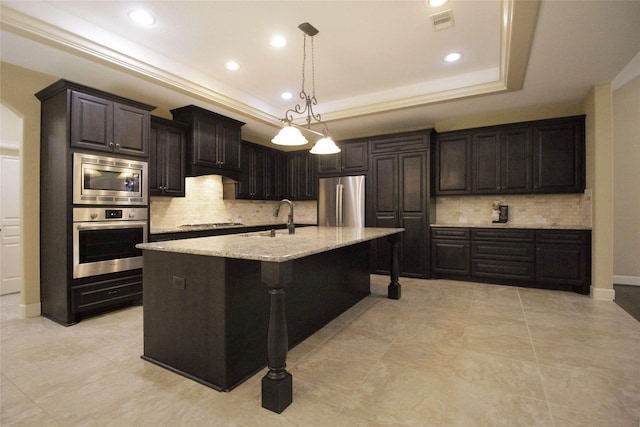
(261, 173)
(302, 178)
(353, 158)
(100, 121)
(559, 156)
(213, 142)
(545, 156)
(167, 158)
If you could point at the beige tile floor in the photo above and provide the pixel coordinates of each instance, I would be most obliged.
(447, 354)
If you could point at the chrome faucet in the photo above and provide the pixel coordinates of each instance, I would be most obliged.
(290, 226)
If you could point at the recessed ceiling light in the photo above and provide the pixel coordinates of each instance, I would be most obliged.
(436, 3)
(286, 95)
(453, 57)
(142, 17)
(232, 65)
(278, 41)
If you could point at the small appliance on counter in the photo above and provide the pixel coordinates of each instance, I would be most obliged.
(500, 214)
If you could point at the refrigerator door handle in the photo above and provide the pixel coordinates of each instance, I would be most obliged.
(339, 222)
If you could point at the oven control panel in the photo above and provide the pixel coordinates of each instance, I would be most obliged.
(104, 214)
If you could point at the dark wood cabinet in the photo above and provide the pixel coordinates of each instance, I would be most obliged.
(563, 257)
(452, 165)
(545, 156)
(547, 258)
(167, 158)
(559, 156)
(353, 158)
(261, 173)
(213, 142)
(76, 118)
(501, 161)
(103, 123)
(301, 177)
(450, 251)
(399, 196)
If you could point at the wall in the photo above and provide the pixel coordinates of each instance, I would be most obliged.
(17, 88)
(626, 183)
(204, 203)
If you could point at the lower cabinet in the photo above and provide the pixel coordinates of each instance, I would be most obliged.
(552, 259)
(95, 296)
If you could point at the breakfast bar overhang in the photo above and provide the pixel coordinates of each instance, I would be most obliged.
(208, 315)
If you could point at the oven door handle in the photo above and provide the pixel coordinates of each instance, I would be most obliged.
(111, 226)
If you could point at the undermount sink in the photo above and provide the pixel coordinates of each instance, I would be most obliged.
(270, 234)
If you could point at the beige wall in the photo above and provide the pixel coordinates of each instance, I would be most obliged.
(626, 179)
(18, 86)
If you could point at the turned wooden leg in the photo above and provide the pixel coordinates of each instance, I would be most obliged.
(277, 385)
(394, 290)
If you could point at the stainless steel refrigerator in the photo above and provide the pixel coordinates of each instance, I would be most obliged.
(341, 201)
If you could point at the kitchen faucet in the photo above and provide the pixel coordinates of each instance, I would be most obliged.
(290, 226)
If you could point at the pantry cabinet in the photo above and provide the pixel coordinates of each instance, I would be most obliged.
(399, 196)
(167, 158)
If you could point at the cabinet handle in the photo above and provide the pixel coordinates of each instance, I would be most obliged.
(110, 144)
(117, 146)
(112, 292)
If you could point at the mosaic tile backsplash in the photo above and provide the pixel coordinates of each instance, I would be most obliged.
(204, 203)
(550, 210)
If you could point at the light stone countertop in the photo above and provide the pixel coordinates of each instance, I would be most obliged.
(209, 226)
(508, 225)
(259, 246)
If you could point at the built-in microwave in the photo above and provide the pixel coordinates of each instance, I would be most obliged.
(99, 180)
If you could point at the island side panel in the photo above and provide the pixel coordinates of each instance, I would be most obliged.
(184, 322)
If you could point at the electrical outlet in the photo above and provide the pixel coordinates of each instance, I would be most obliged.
(179, 282)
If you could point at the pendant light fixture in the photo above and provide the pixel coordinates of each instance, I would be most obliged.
(290, 133)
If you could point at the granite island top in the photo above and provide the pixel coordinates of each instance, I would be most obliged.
(185, 228)
(508, 225)
(260, 246)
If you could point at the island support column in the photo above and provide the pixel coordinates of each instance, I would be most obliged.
(394, 290)
(277, 385)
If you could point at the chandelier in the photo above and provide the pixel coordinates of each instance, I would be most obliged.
(290, 133)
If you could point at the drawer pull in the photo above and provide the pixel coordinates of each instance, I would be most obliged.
(113, 292)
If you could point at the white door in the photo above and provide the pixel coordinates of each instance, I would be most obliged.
(10, 227)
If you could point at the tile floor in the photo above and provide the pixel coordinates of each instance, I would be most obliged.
(447, 354)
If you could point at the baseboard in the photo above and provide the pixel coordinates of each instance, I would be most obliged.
(603, 294)
(29, 310)
(626, 280)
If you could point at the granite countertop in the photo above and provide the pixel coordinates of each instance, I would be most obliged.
(508, 225)
(259, 246)
(213, 226)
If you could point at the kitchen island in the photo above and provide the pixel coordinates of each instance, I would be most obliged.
(209, 316)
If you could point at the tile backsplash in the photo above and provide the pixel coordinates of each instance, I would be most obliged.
(204, 203)
(525, 210)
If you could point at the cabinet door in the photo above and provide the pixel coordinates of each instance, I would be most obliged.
(91, 122)
(205, 147)
(301, 176)
(486, 166)
(563, 264)
(453, 160)
(246, 184)
(383, 207)
(355, 157)
(558, 157)
(412, 190)
(228, 143)
(174, 163)
(274, 175)
(450, 257)
(156, 161)
(130, 130)
(330, 164)
(516, 160)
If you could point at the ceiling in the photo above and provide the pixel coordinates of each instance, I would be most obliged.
(378, 64)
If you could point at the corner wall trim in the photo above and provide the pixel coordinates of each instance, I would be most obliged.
(29, 310)
(603, 294)
(626, 280)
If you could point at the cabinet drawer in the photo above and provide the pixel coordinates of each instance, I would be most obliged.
(578, 237)
(450, 233)
(102, 294)
(502, 269)
(513, 235)
(503, 251)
